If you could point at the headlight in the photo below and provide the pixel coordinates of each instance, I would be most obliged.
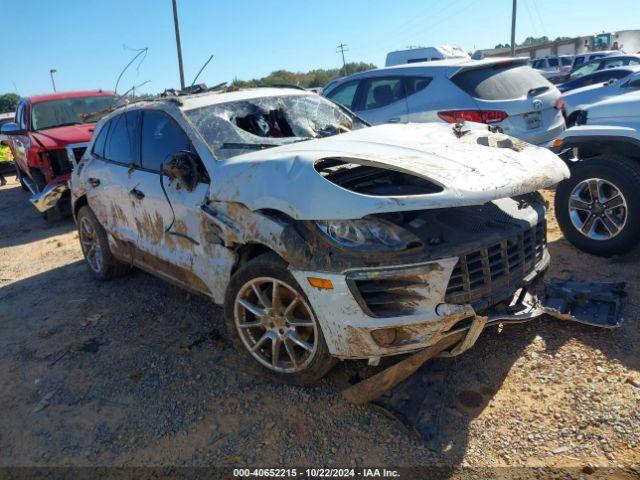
(370, 235)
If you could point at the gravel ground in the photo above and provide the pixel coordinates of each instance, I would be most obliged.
(138, 372)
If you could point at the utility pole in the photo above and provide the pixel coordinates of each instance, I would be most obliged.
(513, 29)
(51, 72)
(341, 49)
(175, 23)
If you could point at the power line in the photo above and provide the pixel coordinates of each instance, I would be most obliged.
(341, 49)
(544, 29)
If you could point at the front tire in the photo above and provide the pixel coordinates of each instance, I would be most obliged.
(95, 247)
(272, 325)
(598, 208)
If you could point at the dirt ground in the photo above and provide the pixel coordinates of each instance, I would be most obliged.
(138, 372)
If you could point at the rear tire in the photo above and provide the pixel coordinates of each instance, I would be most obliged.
(95, 247)
(288, 332)
(586, 221)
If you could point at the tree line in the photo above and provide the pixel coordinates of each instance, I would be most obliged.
(314, 78)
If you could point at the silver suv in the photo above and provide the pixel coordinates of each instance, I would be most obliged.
(502, 92)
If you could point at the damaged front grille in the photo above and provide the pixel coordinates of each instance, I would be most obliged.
(480, 277)
(61, 162)
(388, 297)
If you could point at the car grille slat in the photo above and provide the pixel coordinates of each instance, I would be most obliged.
(480, 273)
(480, 277)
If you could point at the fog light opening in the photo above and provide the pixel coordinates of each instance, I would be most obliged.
(385, 336)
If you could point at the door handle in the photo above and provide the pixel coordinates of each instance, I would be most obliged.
(394, 120)
(94, 182)
(137, 193)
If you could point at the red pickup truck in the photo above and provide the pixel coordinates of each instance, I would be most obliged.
(49, 136)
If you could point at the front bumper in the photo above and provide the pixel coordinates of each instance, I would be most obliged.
(421, 318)
(50, 196)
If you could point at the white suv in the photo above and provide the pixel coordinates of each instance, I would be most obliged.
(322, 237)
(502, 92)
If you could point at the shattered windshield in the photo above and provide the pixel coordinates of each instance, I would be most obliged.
(238, 127)
(71, 111)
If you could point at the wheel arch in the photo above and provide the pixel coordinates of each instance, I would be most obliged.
(599, 145)
(78, 203)
(248, 251)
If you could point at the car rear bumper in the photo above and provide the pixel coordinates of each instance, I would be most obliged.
(545, 137)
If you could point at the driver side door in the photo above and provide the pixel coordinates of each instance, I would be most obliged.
(168, 216)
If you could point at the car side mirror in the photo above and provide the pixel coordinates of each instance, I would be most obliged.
(11, 128)
(183, 168)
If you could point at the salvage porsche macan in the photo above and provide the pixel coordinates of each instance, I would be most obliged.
(323, 238)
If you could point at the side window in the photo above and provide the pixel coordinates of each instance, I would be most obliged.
(634, 61)
(121, 145)
(415, 84)
(98, 145)
(613, 63)
(381, 92)
(161, 137)
(578, 61)
(345, 94)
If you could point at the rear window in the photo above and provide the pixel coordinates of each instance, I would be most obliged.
(553, 62)
(566, 61)
(499, 83)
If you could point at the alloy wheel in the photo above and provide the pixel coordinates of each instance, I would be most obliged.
(598, 209)
(276, 325)
(90, 245)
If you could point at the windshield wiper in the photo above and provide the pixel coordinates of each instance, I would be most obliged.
(537, 90)
(251, 146)
(59, 125)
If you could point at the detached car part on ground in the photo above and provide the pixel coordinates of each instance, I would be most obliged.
(598, 208)
(48, 136)
(323, 238)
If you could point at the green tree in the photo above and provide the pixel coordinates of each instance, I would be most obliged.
(314, 78)
(535, 40)
(8, 102)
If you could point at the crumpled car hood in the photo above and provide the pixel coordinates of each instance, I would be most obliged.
(61, 136)
(474, 169)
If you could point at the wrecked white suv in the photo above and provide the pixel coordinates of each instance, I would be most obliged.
(323, 238)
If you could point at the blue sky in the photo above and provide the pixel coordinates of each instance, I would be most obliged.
(84, 40)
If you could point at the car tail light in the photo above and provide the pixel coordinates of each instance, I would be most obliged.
(504, 64)
(480, 116)
(560, 104)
